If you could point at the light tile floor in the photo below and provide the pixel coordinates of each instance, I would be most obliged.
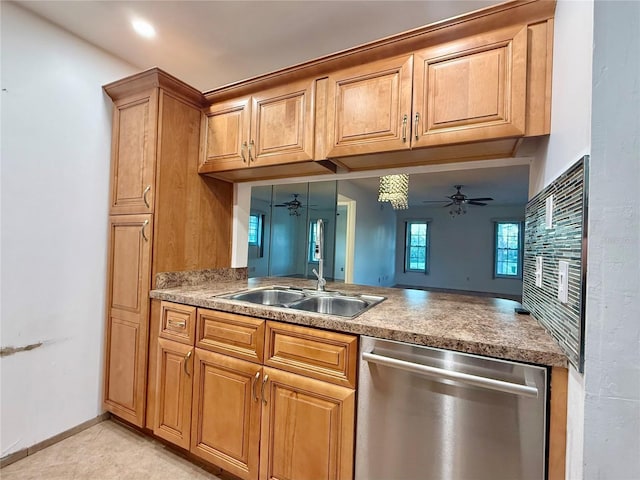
(106, 451)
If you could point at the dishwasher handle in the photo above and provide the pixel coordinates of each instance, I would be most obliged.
(434, 372)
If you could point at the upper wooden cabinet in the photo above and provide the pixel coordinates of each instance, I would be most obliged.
(369, 108)
(472, 87)
(133, 151)
(471, 90)
(269, 128)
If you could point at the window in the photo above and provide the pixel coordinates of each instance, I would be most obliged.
(508, 252)
(255, 225)
(313, 231)
(416, 245)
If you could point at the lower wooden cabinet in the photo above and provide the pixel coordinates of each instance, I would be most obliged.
(254, 421)
(307, 429)
(225, 428)
(174, 391)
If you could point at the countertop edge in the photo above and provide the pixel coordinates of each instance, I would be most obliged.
(353, 326)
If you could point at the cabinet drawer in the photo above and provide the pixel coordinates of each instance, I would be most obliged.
(231, 334)
(327, 356)
(178, 322)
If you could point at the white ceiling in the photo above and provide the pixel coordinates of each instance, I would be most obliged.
(212, 43)
(506, 185)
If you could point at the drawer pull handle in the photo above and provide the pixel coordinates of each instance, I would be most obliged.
(253, 386)
(416, 125)
(264, 382)
(144, 196)
(251, 145)
(244, 145)
(142, 230)
(404, 128)
(186, 362)
(176, 323)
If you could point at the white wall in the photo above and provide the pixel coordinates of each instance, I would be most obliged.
(56, 130)
(460, 249)
(375, 239)
(612, 367)
(570, 139)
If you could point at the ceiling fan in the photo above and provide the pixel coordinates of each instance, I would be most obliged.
(459, 200)
(292, 205)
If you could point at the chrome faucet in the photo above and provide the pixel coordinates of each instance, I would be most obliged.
(317, 255)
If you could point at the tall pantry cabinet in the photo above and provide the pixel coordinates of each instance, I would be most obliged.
(163, 217)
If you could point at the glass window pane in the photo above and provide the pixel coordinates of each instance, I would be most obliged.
(508, 249)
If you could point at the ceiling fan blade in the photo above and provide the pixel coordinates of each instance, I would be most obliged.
(281, 205)
(434, 201)
(476, 203)
(447, 205)
(483, 199)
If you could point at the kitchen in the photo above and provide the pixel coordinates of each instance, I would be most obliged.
(27, 407)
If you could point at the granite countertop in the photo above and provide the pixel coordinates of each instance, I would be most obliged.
(479, 325)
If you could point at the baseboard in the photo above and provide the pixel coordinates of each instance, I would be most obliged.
(25, 452)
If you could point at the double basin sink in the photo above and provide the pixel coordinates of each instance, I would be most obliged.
(330, 303)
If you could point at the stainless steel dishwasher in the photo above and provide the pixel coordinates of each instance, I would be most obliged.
(426, 413)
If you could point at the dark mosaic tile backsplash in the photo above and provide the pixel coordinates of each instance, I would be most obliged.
(566, 240)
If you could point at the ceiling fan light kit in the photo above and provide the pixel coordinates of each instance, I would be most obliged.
(459, 201)
(395, 190)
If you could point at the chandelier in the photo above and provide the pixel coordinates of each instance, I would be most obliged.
(395, 189)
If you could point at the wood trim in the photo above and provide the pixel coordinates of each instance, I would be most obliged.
(558, 424)
(152, 78)
(154, 330)
(320, 354)
(480, 21)
(539, 66)
(192, 213)
(300, 169)
(320, 139)
(23, 453)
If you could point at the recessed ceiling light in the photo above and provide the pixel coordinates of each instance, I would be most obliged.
(143, 28)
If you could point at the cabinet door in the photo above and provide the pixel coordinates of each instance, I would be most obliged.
(471, 90)
(226, 136)
(173, 392)
(129, 280)
(133, 154)
(307, 429)
(369, 108)
(282, 124)
(225, 426)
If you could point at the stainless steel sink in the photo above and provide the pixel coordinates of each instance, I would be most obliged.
(326, 302)
(343, 306)
(268, 296)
